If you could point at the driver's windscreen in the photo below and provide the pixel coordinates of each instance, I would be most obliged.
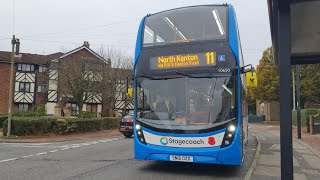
(186, 103)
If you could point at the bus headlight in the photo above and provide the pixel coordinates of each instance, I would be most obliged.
(140, 135)
(231, 128)
(229, 135)
(138, 127)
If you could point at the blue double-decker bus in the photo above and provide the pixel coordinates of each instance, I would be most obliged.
(189, 87)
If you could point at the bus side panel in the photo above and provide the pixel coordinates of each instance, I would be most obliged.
(232, 155)
(139, 42)
(139, 151)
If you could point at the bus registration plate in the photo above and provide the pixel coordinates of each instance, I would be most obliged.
(181, 158)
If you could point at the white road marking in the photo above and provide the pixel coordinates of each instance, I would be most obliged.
(6, 160)
(27, 156)
(66, 147)
(39, 144)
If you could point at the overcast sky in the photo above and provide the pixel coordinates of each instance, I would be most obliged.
(48, 26)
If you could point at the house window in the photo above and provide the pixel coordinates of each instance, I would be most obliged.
(74, 110)
(42, 69)
(24, 87)
(23, 107)
(41, 89)
(25, 67)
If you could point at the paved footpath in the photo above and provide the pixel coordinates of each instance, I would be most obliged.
(306, 160)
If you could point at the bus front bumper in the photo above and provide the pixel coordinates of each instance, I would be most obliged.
(231, 155)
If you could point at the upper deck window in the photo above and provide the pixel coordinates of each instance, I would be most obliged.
(186, 25)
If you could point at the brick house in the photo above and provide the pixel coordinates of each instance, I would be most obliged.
(36, 82)
(58, 98)
(29, 80)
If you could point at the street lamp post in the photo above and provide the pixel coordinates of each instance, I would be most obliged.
(13, 42)
(298, 101)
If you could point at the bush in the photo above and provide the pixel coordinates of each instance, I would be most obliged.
(88, 114)
(24, 114)
(304, 116)
(77, 125)
(22, 126)
(2, 119)
(109, 122)
(40, 110)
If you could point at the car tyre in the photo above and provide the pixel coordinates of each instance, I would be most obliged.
(127, 135)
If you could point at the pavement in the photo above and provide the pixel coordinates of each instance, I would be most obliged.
(306, 160)
(103, 158)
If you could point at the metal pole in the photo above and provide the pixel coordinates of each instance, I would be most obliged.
(13, 42)
(293, 92)
(298, 102)
(284, 55)
(126, 98)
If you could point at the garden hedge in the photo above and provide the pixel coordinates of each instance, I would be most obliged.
(22, 126)
(2, 119)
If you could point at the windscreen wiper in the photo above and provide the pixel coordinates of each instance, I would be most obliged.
(184, 74)
(145, 76)
(150, 77)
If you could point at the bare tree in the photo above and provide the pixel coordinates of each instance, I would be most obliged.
(81, 77)
(122, 66)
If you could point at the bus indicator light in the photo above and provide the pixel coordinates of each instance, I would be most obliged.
(227, 142)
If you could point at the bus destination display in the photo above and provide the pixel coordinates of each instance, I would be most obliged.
(183, 61)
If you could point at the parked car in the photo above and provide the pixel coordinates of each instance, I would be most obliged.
(126, 125)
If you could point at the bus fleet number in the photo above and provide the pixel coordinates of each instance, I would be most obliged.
(224, 70)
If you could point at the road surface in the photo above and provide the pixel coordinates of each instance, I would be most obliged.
(108, 158)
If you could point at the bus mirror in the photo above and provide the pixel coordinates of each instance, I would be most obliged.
(251, 79)
(247, 68)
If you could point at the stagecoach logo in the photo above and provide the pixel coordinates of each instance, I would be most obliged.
(181, 142)
(164, 140)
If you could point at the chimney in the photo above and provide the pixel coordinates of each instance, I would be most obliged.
(109, 62)
(17, 47)
(86, 44)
